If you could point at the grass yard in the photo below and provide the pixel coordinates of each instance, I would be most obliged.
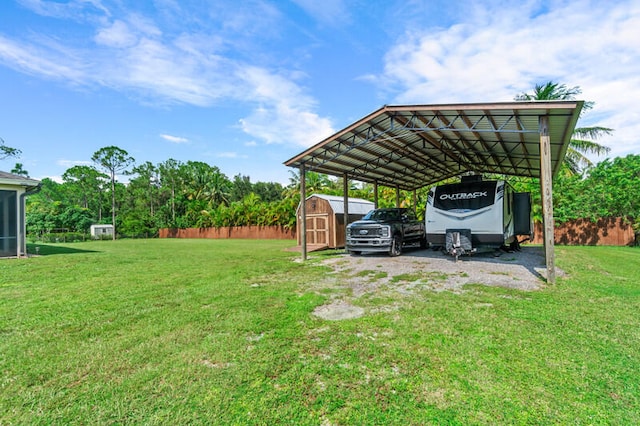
(222, 332)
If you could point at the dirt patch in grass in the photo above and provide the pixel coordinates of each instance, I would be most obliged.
(381, 276)
(338, 310)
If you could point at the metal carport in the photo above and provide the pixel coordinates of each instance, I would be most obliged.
(412, 146)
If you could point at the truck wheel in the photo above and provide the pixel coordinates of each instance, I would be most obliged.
(396, 246)
(355, 252)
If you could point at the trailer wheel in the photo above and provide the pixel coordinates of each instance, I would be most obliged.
(396, 246)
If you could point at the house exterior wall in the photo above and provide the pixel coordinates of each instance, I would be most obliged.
(13, 227)
(12, 224)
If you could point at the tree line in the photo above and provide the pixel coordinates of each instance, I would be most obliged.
(194, 194)
(171, 194)
(175, 194)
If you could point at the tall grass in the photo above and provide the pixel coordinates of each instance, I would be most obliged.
(222, 332)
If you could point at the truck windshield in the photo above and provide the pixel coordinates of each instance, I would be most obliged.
(383, 215)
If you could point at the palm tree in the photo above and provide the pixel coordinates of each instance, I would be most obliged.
(219, 187)
(582, 141)
(169, 178)
(18, 169)
(316, 183)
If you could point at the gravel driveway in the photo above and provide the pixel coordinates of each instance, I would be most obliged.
(418, 270)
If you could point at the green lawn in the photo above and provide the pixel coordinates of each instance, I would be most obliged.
(222, 332)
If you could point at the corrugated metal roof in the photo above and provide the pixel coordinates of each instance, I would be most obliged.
(411, 146)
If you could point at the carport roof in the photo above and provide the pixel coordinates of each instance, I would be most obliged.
(411, 146)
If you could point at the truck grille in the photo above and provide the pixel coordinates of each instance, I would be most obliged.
(365, 232)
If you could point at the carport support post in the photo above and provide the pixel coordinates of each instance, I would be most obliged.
(415, 202)
(303, 211)
(397, 196)
(345, 191)
(546, 190)
(375, 194)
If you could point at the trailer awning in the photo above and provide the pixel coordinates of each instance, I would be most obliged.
(412, 146)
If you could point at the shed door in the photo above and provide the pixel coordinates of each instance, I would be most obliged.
(318, 229)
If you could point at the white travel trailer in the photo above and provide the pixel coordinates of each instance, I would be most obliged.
(474, 213)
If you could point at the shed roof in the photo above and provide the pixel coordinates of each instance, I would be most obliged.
(411, 146)
(356, 205)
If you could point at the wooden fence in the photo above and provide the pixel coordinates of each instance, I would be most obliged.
(234, 232)
(604, 232)
(613, 231)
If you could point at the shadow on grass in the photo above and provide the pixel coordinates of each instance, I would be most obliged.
(47, 250)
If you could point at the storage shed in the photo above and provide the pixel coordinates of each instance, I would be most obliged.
(325, 219)
(100, 232)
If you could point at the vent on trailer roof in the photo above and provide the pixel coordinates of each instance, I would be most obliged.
(471, 178)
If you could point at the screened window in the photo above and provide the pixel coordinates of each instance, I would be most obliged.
(8, 223)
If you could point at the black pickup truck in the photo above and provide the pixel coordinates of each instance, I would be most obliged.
(386, 230)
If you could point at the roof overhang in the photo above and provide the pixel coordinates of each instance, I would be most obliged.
(412, 146)
(11, 179)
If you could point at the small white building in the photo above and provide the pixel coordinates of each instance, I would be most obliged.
(13, 229)
(101, 232)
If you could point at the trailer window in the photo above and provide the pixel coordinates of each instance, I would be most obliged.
(465, 196)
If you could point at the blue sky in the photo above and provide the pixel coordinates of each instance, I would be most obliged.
(246, 85)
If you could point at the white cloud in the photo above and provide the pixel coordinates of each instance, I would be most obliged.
(73, 9)
(37, 59)
(160, 63)
(495, 53)
(199, 55)
(286, 113)
(174, 139)
(150, 67)
(70, 163)
(117, 35)
(283, 124)
(55, 178)
(132, 55)
(230, 154)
